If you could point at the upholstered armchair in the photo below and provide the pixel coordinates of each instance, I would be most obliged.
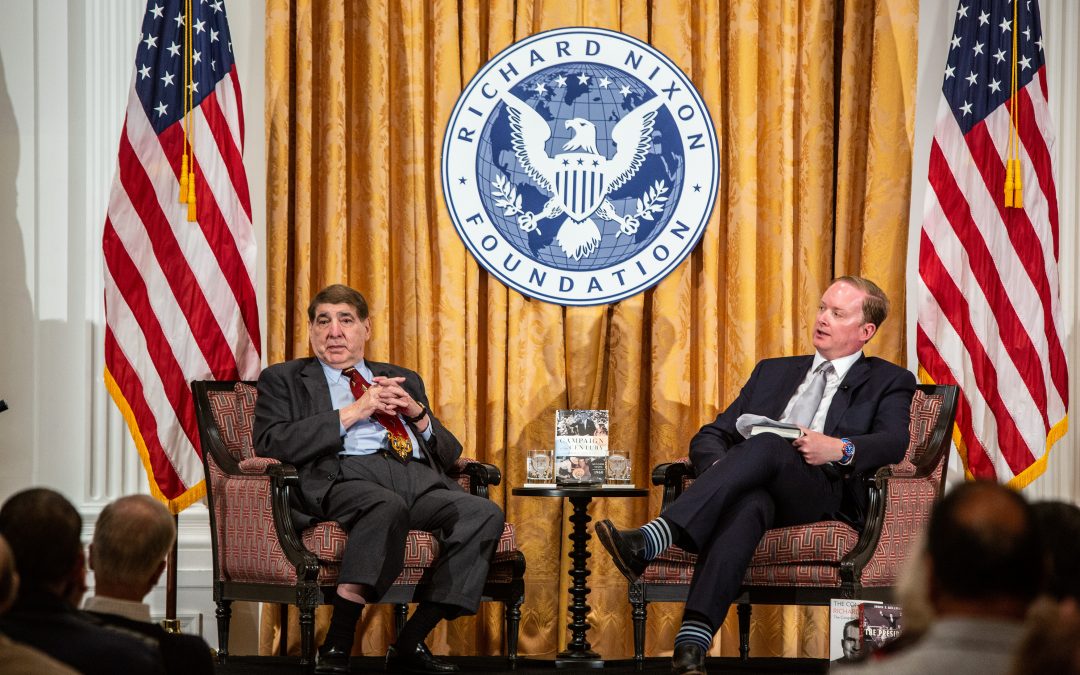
(258, 554)
(810, 564)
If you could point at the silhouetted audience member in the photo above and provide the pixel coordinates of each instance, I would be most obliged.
(983, 569)
(1051, 643)
(43, 530)
(132, 537)
(15, 657)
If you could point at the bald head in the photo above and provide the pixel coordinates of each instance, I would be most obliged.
(984, 546)
(131, 539)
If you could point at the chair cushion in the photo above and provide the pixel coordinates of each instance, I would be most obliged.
(795, 547)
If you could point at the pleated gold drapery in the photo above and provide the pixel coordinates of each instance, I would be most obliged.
(813, 103)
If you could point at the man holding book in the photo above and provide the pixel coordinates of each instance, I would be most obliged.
(853, 413)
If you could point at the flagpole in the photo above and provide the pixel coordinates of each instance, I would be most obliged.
(171, 624)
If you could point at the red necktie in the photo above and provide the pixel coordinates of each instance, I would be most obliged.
(399, 438)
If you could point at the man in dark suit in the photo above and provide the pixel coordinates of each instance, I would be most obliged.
(371, 455)
(43, 530)
(853, 412)
(132, 537)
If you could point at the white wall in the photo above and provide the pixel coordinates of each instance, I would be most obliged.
(65, 72)
(1061, 25)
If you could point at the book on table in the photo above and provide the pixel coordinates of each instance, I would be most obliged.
(581, 447)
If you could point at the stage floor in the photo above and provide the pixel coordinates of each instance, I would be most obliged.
(249, 665)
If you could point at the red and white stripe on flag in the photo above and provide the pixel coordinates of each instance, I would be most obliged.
(989, 318)
(180, 300)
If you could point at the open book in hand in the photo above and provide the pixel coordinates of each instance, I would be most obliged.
(751, 425)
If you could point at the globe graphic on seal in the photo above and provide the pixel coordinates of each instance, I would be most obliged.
(602, 95)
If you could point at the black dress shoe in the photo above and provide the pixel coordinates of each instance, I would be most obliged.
(332, 660)
(688, 659)
(626, 548)
(421, 660)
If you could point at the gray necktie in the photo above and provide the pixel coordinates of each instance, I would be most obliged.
(802, 413)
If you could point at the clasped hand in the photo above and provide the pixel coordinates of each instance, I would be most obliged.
(386, 395)
(817, 448)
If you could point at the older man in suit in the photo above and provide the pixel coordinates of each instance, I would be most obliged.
(853, 412)
(371, 455)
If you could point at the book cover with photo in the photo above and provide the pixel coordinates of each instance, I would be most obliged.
(879, 624)
(845, 632)
(581, 446)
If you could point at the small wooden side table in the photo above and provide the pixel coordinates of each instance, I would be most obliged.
(579, 653)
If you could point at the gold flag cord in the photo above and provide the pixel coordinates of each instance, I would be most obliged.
(1014, 192)
(187, 160)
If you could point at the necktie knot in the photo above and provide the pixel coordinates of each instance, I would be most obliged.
(805, 408)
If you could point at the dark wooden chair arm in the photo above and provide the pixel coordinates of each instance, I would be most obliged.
(671, 476)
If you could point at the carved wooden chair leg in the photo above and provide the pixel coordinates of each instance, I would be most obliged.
(283, 620)
(512, 612)
(640, 613)
(224, 615)
(401, 614)
(744, 630)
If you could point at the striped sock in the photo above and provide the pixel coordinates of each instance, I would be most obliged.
(695, 632)
(657, 537)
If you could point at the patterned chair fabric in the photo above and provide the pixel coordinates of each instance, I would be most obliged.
(257, 553)
(809, 564)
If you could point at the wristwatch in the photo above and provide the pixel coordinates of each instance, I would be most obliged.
(849, 452)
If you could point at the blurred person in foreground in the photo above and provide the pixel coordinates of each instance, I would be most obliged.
(15, 657)
(132, 537)
(983, 567)
(44, 530)
(1051, 642)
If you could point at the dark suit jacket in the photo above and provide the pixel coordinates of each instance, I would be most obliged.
(182, 654)
(295, 422)
(872, 408)
(79, 639)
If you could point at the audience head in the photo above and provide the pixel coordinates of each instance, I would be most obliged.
(1059, 527)
(43, 530)
(984, 552)
(132, 537)
(9, 578)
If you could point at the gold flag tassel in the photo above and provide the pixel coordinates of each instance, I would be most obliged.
(1014, 182)
(188, 109)
(183, 174)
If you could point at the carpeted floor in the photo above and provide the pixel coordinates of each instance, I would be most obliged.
(248, 665)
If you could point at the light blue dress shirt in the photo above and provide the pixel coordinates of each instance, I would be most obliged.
(366, 436)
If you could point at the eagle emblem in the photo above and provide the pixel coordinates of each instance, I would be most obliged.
(580, 179)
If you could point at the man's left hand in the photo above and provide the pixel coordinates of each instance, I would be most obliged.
(396, 396)
(817, 448)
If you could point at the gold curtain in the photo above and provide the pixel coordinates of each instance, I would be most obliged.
(813, 103)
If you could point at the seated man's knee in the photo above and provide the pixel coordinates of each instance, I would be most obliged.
(394, 509)
(769, 448)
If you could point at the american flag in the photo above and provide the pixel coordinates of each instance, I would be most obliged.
(989, 317)
(179, 296)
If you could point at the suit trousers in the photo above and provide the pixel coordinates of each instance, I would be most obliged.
(760, 483)
(377, 500)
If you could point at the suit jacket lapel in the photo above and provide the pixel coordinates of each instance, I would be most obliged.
(841, 401)
(314, 380)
